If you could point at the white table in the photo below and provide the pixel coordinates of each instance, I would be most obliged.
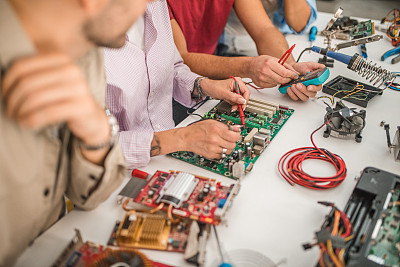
(268, 215)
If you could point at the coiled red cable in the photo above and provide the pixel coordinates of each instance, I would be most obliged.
(290, 166)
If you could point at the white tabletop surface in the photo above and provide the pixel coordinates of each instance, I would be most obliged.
(268, 215)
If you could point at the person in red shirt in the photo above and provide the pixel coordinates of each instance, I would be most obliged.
(197, 26)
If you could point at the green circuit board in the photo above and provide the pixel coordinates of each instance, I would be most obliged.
(262, 122)
(362, 29)
(385, 250)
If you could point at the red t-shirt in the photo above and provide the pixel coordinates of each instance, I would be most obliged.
(202, 22)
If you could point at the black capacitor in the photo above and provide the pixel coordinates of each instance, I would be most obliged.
(205, 191)
(207, 186)
(235, 155)
(150, 193)
(200, 197)
(230, 166)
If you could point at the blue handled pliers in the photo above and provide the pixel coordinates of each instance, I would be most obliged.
(392, 52)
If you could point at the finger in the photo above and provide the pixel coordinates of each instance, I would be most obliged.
(236, 128)
(230, 136)
(244, 90)
(46, 97)
(302, 88)
(283, 71)
(56, 113)
(275, 77)
(235, 98)
(225, 144)
(28, 86)
(29, 65)
(298, 93)
(314, 88)
(315, 65)
(291, 94)
(290, 67)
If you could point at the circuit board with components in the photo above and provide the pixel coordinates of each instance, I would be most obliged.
(385, 249)
(263, 120)
(198, 198)
(362, 29)
(151, 231)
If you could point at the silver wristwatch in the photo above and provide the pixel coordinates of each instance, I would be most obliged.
(114, 129)
(198, 91)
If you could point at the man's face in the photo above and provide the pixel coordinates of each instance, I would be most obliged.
(108, 29)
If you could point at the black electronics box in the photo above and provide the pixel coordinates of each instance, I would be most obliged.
(341, 86)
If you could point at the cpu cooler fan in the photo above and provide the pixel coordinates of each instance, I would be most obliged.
(344, 121)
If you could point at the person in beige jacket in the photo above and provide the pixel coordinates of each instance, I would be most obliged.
(55, 137)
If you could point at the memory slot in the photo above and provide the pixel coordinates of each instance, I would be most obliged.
(262, 106)
(265, 102)
(257, 110)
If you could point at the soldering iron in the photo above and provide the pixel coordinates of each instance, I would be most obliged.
(357, 63)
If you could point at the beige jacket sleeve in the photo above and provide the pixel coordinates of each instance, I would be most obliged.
(91, 184)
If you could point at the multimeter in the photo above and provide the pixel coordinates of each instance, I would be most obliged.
(315, 77)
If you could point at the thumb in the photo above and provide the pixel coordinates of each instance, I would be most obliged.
(316, 66)
(235, 98)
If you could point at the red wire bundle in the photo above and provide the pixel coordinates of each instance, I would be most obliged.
(290, 166)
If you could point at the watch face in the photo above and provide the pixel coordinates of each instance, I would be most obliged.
(114, 125)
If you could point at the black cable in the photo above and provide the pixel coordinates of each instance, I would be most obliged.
(307, 49)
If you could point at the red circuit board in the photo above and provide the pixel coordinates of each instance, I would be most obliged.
(199, 206)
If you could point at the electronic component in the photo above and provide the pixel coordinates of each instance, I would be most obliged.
(266, 117)
(315, 77)
(348, 90)
(371, 212)
(395, 146)
(82, 254)
(258, 149)
(224, 107)
(355, 42)
(155, 231)
(344, 121)
(177, 189)
(144, 230)
(238, 170)
(192, 205)
(362, 29)
(261, 140)
(393, 32)
(249, 136)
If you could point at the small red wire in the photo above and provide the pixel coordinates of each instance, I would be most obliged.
(255, 87)
(290, 166)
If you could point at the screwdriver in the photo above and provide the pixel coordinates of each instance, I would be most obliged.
(223, 264)
(313, 34)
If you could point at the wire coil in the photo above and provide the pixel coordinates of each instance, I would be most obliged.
(371, 72)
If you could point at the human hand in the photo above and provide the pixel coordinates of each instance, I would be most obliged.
(226, 90)
(266, 72)
(208, 137)
(299, 90)
(46, 89)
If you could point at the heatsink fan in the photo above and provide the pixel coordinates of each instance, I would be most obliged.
(344, 121)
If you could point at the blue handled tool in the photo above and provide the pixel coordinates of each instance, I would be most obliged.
(392, 52)
(363, 50)
(313, 34)
(315, 77)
